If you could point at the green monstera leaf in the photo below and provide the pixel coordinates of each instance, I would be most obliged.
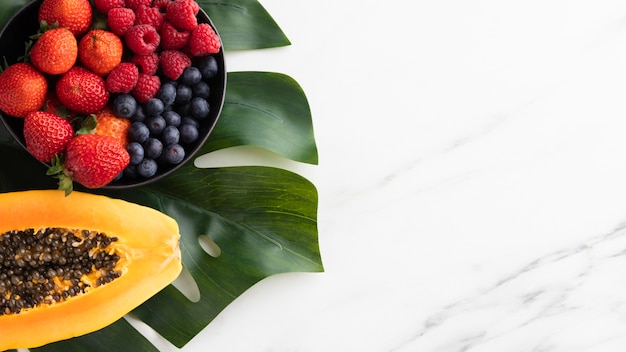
(244, 24)
(239, 225)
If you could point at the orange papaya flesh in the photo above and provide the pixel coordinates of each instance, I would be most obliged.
(73, 265)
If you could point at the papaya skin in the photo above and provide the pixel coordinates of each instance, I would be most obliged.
(148, 244)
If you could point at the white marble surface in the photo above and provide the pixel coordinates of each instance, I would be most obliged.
(472, 179)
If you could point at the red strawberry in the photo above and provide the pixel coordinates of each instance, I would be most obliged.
(76, 15)
(204, 41)
(108, 124)
(173, 63)
(53, 105)
(46, 134)
(95, 160)
(55, 51)
(82, 91)
(100, 51)
(24, 89)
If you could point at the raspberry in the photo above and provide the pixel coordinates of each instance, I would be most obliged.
(123, 78)
(195, 6)
(120, 19)
(134, 4)
(172, 38)
(182, 14)
(204, 41)
(162, 4)
(148, 64)
(149, 15)
(173, 63)
(105, 6)
(146, 88)
(142, 39)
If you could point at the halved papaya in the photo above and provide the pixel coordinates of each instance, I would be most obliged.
(72, 265)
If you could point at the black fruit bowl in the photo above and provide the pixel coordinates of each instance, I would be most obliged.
(16, 33)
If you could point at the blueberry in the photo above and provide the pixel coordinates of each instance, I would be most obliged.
(183, 94)
(124, 105)
(147, 168)
(166, 80)
(173, 154)
(130, 172)
(170, 135)
(167, 94)
(153, 148)
(139, 115)
(138, 132)
(208, 66)
(172, 118)
(188, 120)
(154, 107)
(191, 76)
(201, 90)
(136, 152)
(188, 133)
(199, 108)
(156, 125)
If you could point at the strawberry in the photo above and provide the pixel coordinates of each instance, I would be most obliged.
(55, 51)
(107, 124)
(100, 51)
(46, 134)
(76, 15)
(95, 160)
(82, 91)
(52, 104)
(23, 89)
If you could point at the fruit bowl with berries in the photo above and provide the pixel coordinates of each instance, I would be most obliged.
(111, 93)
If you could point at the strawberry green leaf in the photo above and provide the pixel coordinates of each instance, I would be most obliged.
(275, 112)
(244, 24)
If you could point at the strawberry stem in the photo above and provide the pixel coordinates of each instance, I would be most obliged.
(58, 170)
